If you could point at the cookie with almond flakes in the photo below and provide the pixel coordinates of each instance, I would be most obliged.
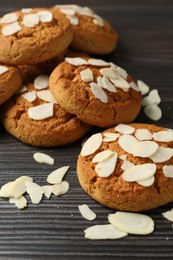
(128, 167)
(97, 92)
(34, 117)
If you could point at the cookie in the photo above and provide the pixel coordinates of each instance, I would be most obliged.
(97, 92)
(92, 33)
(30, 36)
(34, 117)
(129, 167)
(10, 82)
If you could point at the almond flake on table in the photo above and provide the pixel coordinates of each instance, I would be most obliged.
(30, 96)
(26, 10)
(47, 190)
(106, 231)
(132, 223)
(108, 85)
(147, 182)
(110, 137)
(92, 144)
(19, 202)
(5, 190)
(139, 172)
(60, 188)
(126, 142)
(125, 129)
(144, 148)
(18, 187)
(43, 158)
(163, 136)
(144, 88)
(31, 20)
(86, 212)
(35, 191)
(46, 95)
(41, 112)
(168, 171)
(126, 165)
(109, 73)
(45, 16)
(143, 134)
(73, 19)
(102, 156)
(76, 61)
(98, 62)
(3, 69)
(9, 18)
(57, 175)
(106, 167)
(153, 112)
(41, 82)
(152, 98)
(98, 92)
(87, 75)
(162, 154)
(11, 29)
(168, 215)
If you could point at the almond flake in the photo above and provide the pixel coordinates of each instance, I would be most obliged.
(153, 112)
(121, 83)
(106, 167)
(162, 154)
(106, 231)
(139, 172)
(126, 165)
(46, 95)
(110, 137)
(57, 175)
(126, 142)
(23, 89)
(143, 134)
(124, 129)
(132, 223)
(108, 85)
(98, 21)
(99, 157)
(146, 183)
(26, 10)
(168, 215)
(18, 187)
(98, 92)
(60, 188)
(43, 158)
(3, 69)
(163, 136)
(98, 62)
(152, 98)
(47, 190)
(41, 112)
(9, 18)
(5, 190)
(41, 82)
(100, 81)
(123, 157)
(11, 29)
(86, 212)
(87, 75)
(76, 61)
(73, 19)
(31, 20)
(30, 96)
(45, 16)
(122, 72)
(144, 148)
(20, 202)
(168, 171)
(144, 88)
(92, 144)
(35, 191)
(133, 85)
(109, 73)
(68, 11)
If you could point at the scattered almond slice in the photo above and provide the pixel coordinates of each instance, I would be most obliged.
(143, 134)
(35, 191)
(97, 62)
(126, 142)
(106, 231)
(132, 223)
(126, 165)
(110, 137)
(60, 188)
(9, 18)
(26, 10)
(100, 81)
(87, 75)
(46, 95)
(92, 144)
(153, 112)
(147, 182)
(144, 148)
(139, 172)
(45, 16)
(162, 154)
(41, 112)
(3, 69)
(30, 96)
(163, 136)
(20, 202)
(86, 212)
(73, 19)
(18, 187)
(168, 215)
(108, 85)
(152, 98)
(43, 158)
(11, 29)
(133, 85)
(120, 83)
(122, 72)
(144, 88)
(98, 21)
(68, 11)
(98, 92)
(76, 61)
(109, 73)
(41, 82)
(5, 190)
(47, 190)
(23, 89)
(168, 171)
(123, 157)
(99, 157)
(31, 20)
(57, 175)
(106, 167)
(125, 129)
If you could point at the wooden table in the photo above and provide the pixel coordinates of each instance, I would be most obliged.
(54, 229)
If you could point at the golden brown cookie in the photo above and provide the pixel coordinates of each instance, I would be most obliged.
(30, 36)
(92, 33)
(97, 92)
(10, 82)
(34, 117)
(129, 167)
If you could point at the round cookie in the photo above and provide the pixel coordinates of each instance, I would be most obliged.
(30, 36)
(34, 117)
(10, 82)
(92, 33)
(134, 172)
(97, 92)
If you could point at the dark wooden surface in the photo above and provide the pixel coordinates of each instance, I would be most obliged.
(54, 228)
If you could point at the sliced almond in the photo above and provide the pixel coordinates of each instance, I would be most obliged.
(144, 148)
(47, 190)
(143, 134)
(139, 172)
(76, 61)
(110, 137)
(35, 191)
(109, 73)
(46, 95)
(9, 18)
(20, 202)
(147, 182)
(31, 20)
(86, 212)
(100, 81)
(120, 83)
(123, 157)
(41, 112)
(144, 88)
(108, 85)
(11, 29)
(168, 171)
(126, 165)
(57, 175)
(106, 167)
(23, 89)
(153, 112)
(98, 21)
(101, 156)
(43, 158)
(133, 85)
(68, 11)
(98, 62)
(162, 154)
(3, 69)
(30, 96)
(41, 82)
(124, 129)
(87, 75)
(26, 10)
(163, 136)
(106, 231)
(122, 72)
(45, 16)
(152, 98)
(98, 92)
(92, 144)
(5, 190)
(73, 19)
(168, 215)
(18, 187)
(132, 223)
(126, 142)
(60, 188)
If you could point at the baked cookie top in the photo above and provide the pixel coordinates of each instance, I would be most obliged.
(92, 33)
(30, 36)
(97, 92)
(34, 117)
(129, 167)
